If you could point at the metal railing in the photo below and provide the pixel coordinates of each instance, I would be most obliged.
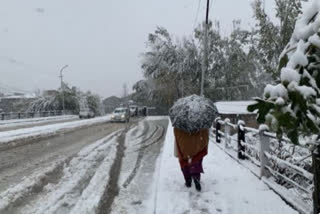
(26, 115)
(260, 153)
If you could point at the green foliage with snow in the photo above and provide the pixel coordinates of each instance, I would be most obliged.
(172, 68)
(274, 36)
(293, 106)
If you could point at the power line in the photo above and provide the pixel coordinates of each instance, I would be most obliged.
(211, 3)
(29, 67)
(5, 87)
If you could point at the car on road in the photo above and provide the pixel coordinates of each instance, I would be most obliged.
(120, 115)
(86, 113)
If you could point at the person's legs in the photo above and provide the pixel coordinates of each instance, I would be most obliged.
(195, 172)
(197, 182)
(187, 176)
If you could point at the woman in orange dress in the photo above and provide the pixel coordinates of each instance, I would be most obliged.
(190, 149)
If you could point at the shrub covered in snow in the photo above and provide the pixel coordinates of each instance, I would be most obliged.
(293, 106)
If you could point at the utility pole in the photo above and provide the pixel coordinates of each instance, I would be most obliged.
(62, 87)
(205, 44)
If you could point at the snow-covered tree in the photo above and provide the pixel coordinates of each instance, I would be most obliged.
(293, 106)
(74, 100)
(94, 103)
(273, 37)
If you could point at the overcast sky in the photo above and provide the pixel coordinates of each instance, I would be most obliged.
(100, 40)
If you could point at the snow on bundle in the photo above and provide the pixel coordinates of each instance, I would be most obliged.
(192, 113)
(293, 106)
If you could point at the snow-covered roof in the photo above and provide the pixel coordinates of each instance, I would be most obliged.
(121, 108)
(24, 96)
(233, 107)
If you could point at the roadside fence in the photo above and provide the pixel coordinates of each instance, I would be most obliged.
(26, 115)
(262, 147)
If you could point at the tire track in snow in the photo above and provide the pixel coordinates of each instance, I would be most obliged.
(112, 189)
(141, 153)
(49, 192)
(136, 196)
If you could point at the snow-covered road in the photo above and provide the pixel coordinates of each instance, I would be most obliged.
(83, 179)
(25, 135)
(126, 168)
(22, 161)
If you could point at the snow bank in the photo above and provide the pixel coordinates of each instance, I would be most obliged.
(5, 124)
(48, 130)
(27, 186)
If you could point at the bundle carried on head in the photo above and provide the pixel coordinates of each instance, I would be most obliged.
(192, 113)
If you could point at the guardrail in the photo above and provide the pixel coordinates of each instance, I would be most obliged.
(270, 165)
(26, 115)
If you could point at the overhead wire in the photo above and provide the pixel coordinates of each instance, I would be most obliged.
(11, 88)
(29, 67)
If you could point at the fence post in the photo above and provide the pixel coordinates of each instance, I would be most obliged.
(226, 133)
(264, 147)
(316, 180)
(218, 135)
(241, 140)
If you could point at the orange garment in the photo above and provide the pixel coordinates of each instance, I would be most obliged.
(191, 147)
(190, 144)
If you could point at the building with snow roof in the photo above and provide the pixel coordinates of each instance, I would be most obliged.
(237, 110)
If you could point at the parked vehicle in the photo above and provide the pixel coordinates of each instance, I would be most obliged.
(86, 113)
(120, 115)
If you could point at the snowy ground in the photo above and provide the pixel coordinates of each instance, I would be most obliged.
(7, 125)
(21, 161)
(104, 175)
(227, 187)
(143, 147)
(300, 200)
(78, 184)
(132, 170)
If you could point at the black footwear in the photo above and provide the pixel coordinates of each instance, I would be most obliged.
(197, 184)
(188, 183)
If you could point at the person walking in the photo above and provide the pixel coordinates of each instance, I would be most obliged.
(192, 117)
(191, 148)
